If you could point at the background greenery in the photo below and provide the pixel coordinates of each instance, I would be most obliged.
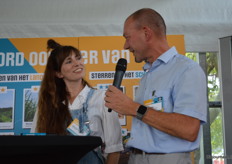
(213, 95)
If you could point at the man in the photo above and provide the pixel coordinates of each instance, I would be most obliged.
(170, 104)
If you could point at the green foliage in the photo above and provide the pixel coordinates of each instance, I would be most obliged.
(213, 80)
(30, 107)
(6, 114)
(191, 55)
(216, 135)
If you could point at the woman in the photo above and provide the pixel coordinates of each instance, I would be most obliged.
(65, 96)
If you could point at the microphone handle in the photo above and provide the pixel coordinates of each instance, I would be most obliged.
(117, 81)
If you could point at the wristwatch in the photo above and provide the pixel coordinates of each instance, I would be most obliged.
(141, 112)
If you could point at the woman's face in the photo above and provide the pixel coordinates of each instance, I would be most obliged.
(72, 68)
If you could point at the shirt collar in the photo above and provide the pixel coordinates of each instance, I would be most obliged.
(169, 54)
(84, 92)
(80, 99)
(165, 57)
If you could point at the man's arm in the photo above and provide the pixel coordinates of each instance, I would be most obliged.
(175, 124)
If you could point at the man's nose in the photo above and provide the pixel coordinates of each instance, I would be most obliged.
(126, 46)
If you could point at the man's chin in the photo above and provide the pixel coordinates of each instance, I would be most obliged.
(138, 60)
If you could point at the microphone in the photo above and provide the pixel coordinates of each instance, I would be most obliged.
(119, 72)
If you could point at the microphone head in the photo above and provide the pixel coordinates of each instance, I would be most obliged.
(121, 65)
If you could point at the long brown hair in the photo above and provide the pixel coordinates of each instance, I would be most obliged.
(53, 112)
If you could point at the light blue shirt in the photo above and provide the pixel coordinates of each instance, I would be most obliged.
(182, 84)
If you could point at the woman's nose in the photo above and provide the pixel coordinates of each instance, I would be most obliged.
(76, 62)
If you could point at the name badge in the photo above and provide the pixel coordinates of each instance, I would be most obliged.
(155, 103)
(74, 128)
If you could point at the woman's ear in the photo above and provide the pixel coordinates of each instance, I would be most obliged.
(59, 75)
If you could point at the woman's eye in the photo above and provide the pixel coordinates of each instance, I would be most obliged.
(67, 62)
(78, 58)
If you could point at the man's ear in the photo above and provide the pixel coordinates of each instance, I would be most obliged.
(147, 32)
(59, 75)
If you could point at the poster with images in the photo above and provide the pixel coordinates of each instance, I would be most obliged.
(23, 61)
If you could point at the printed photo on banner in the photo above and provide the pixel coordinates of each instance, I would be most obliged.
(7, 99)
(30, 101)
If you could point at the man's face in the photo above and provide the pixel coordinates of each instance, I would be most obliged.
(135, 40)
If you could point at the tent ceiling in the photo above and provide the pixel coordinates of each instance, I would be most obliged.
(202, 22)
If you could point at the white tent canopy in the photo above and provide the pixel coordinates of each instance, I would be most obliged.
(202, 22)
